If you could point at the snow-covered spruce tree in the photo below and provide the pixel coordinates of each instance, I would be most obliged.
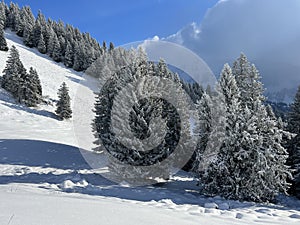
(78, 57)
(37, 31)
(241, 71)
(13, 73)
(31, 89)
(264, 137)
(251, 162)
(195, 92)
(203, 129)
(14, 11)
(141, 116)
(227, 172)
(63, 105)
(2, 15)
(50, 43)
(25, 25)
(42, 45)
(248, 81)
(111, 46)
(69, 55)
(27, 22)
(56, 54)
(104, 48)
(294, 143)
(3, 44)
(28, 35)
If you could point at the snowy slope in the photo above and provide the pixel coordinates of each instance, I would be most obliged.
(38, 123)
(45, 180)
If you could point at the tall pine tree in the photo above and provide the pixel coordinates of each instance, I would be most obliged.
(63, 105)
(251, 162)
(13, 72)
(294, 143)
(32, 89)
(3, 44)
(41, 44)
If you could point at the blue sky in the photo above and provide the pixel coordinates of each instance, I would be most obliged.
(123, 21)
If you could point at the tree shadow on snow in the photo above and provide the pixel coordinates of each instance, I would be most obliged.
(62, 162)
(69, 164)
(76, 80)
(44, 113)
(41, 154)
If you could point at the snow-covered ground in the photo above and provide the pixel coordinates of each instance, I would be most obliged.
(45, 180)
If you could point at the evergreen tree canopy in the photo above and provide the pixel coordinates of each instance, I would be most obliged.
(251, 162)
(63, 105)
(51, 37)
(294, 143)
(13, 71)
(3, 44)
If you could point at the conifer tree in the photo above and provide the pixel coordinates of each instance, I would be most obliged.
(78, 58)
(37, 32)
(294, 143)
(203, 130)
(13, 72)
(141, 116)
(19, 25)
(69, 56)
(63, 105)
(50, 44)
(111, 46)
(2, 15)
(56, 54)
(34, 84)
(104, 46)
(251, 162)
(30, 90)
(3, 44)
(223, 175)
(28, 36)
(13, 14)
(42, 45)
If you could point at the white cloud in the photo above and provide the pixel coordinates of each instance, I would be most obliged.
(155, 38)
(267, 31)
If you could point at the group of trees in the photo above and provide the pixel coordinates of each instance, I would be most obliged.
(26, 87)
(293, 145)
(3, 44)
(143, 112)
(258, 153)
(251, 161)
(63, 43)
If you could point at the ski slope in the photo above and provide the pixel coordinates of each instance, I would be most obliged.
(45, 180)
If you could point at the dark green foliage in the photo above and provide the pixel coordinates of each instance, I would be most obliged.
(12, 73)
(294, 143)
(104, 46)
(111, 46)
(25, 87)
(42, 45)
(63, 43)
(63, 105)
(3, 44)
(56, 54)
(251, 163)
(69, 56)
(2, 15)
(140, 115)
(32, 88)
